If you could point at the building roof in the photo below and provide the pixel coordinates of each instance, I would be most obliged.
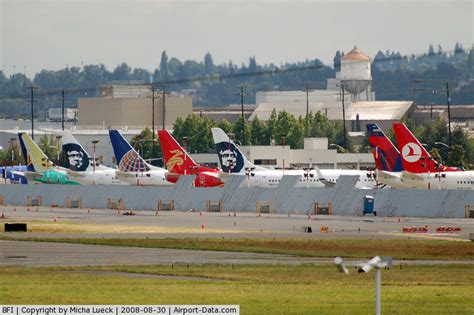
(373, 110)
(378, 110)
(356, 54)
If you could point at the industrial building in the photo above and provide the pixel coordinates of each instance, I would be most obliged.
(351, 87)
(130, 107)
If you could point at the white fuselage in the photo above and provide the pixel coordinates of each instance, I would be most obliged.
(272, 178)
(440, 180)
(100, 176)
(149, 178)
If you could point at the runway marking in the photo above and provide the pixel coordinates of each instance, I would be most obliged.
(455, 238)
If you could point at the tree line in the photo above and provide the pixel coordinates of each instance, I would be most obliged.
(281, 128)
(214, 84)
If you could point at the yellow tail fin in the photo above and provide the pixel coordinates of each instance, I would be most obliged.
(40, 161)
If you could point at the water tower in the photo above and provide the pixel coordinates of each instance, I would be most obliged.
(356, 73)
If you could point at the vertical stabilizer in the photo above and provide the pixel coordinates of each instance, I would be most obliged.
(127, 159)
(386, 155)
(177, 160)
(38, 159)
(231, 159)
(75, 157)
(415, 158)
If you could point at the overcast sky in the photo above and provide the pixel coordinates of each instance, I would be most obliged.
(52, 34)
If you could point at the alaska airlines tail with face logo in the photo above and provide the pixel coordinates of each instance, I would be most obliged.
(386, 155)
(75, 157)
(127, 159)
(231, 159)
(415, 158)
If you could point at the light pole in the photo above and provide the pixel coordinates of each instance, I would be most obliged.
(337, 146)
(12, 140)
(443, 144)
(58, 137)
(94, 142)
(185, 143)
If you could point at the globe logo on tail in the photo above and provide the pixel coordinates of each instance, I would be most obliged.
(411, 152)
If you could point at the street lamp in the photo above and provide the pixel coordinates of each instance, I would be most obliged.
(337, 146)
(94, 142)
(443, 144)
(58, 137)
(185, 143)
(12, 140)
(376, 263)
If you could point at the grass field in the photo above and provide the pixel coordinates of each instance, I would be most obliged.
(398, 249)
(268, 289)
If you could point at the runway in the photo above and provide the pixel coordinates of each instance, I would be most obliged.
(43, 254)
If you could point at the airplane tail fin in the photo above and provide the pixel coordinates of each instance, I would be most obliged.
(127, 159)
(38, 159)
(386, 155)
(231, 159)
(415, 158)
(26, 157)
(76, 158)
(176, 159)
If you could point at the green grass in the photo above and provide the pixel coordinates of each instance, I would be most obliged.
(267, 289)
(398, 249)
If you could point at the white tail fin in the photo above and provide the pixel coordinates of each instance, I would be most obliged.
(231, 159)
(75, 157)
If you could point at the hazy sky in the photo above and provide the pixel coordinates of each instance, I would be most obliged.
(52, 34)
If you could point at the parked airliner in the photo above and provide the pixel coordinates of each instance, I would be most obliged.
(233, 161)
(132, 168)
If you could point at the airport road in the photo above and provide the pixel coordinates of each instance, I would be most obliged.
(42, 254)
(60, 222)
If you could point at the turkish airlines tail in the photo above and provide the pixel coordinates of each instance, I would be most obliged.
(177, 160)
(386, 155)
(415, 158)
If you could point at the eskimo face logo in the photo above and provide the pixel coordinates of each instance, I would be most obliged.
(231, 160)
(411, 152)
(77, 159)
(176, 159)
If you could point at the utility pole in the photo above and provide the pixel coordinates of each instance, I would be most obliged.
(152, 122)
(242, 94)
(307, 110)
(448, 99)
(62, 109)
(32, 100)
(343, 116)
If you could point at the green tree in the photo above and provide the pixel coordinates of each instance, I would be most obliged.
(436, 155)
(259, 132)
(147, 145)
(237, 128)
(164, 66)
(208, 64)
(456, 156)
(49, 145)
(226, 126)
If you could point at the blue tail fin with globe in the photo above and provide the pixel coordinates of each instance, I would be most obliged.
(127, 159)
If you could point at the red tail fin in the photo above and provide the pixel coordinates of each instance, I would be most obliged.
(415, 158)
(176, 159)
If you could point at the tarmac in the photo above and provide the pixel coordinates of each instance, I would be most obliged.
(49, 222)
